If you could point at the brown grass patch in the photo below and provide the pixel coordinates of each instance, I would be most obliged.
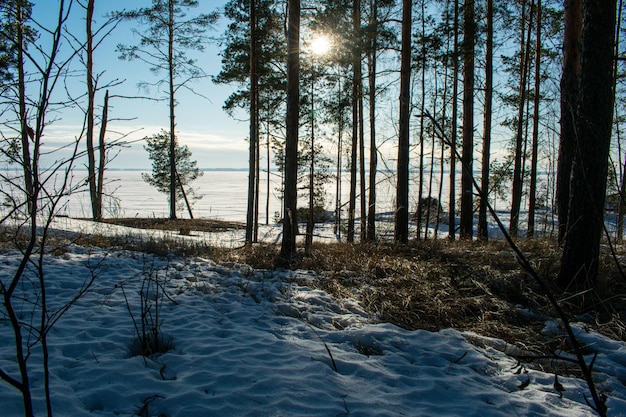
(474, 286)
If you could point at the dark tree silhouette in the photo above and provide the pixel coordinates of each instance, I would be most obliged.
(579, 263)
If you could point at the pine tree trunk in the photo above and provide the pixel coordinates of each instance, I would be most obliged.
(572, 45)
(622, 202)
(579, 263)
(483, 227)
(362, 182)
(454, 128)
(257, 185)
(172, 104)
(290, 221)
(420, 181)
(269, 173)
(401, 234)
(467, 207)
(252, 153)
(371, 206)
(518, 166)
(339, 167)
(431, 173)
(310, 223)
(356, 69)
(532, 192)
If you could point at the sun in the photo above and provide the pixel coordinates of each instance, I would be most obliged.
(320, 44)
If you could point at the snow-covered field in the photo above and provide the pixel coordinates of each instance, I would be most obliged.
(263, 343)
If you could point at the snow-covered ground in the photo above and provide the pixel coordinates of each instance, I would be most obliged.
(263, 343)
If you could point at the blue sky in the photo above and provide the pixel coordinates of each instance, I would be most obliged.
(216, 139)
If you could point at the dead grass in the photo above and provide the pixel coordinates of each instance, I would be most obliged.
(473, 286)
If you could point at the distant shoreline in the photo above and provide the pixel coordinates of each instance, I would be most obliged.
(149, 169)
(138, 169)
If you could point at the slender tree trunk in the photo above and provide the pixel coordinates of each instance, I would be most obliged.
(420, 182)
(483, 227)
(443, 118)
(102, 151)
(532, 198)
(267, 189)
(401, 234)
(290, 221)
(339, 167)
(371, 212)
(172, 104)
(362, 181)
(356, 69)
(182, 191)
(622, 176)
(518, 166)
(453, 135)
(572, 48)
(254, 135)
(622, 203)
(311, 218)
(255, 235)
(91, 92)
(467, 207)
(579, 263)
(431, 172)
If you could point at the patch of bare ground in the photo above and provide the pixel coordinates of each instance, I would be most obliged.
(184, 226)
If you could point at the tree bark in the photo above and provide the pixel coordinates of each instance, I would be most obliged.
(310, 223)
(579, 263)
(254, 129)
(622, 163)
(339, 167)
(532, 192)
(467, 207)
(401, 232)
(102, 151)
(420, 181)
(290, 225)
(454, 128)
(483, 229)
(572, 45)
(362, 182)
(172, 104)
(371, 206)
(91, 157)
(518, 165)
(356, 78)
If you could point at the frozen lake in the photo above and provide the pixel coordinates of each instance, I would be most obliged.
(224, 196)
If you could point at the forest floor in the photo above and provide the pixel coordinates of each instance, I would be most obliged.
(435, 284)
